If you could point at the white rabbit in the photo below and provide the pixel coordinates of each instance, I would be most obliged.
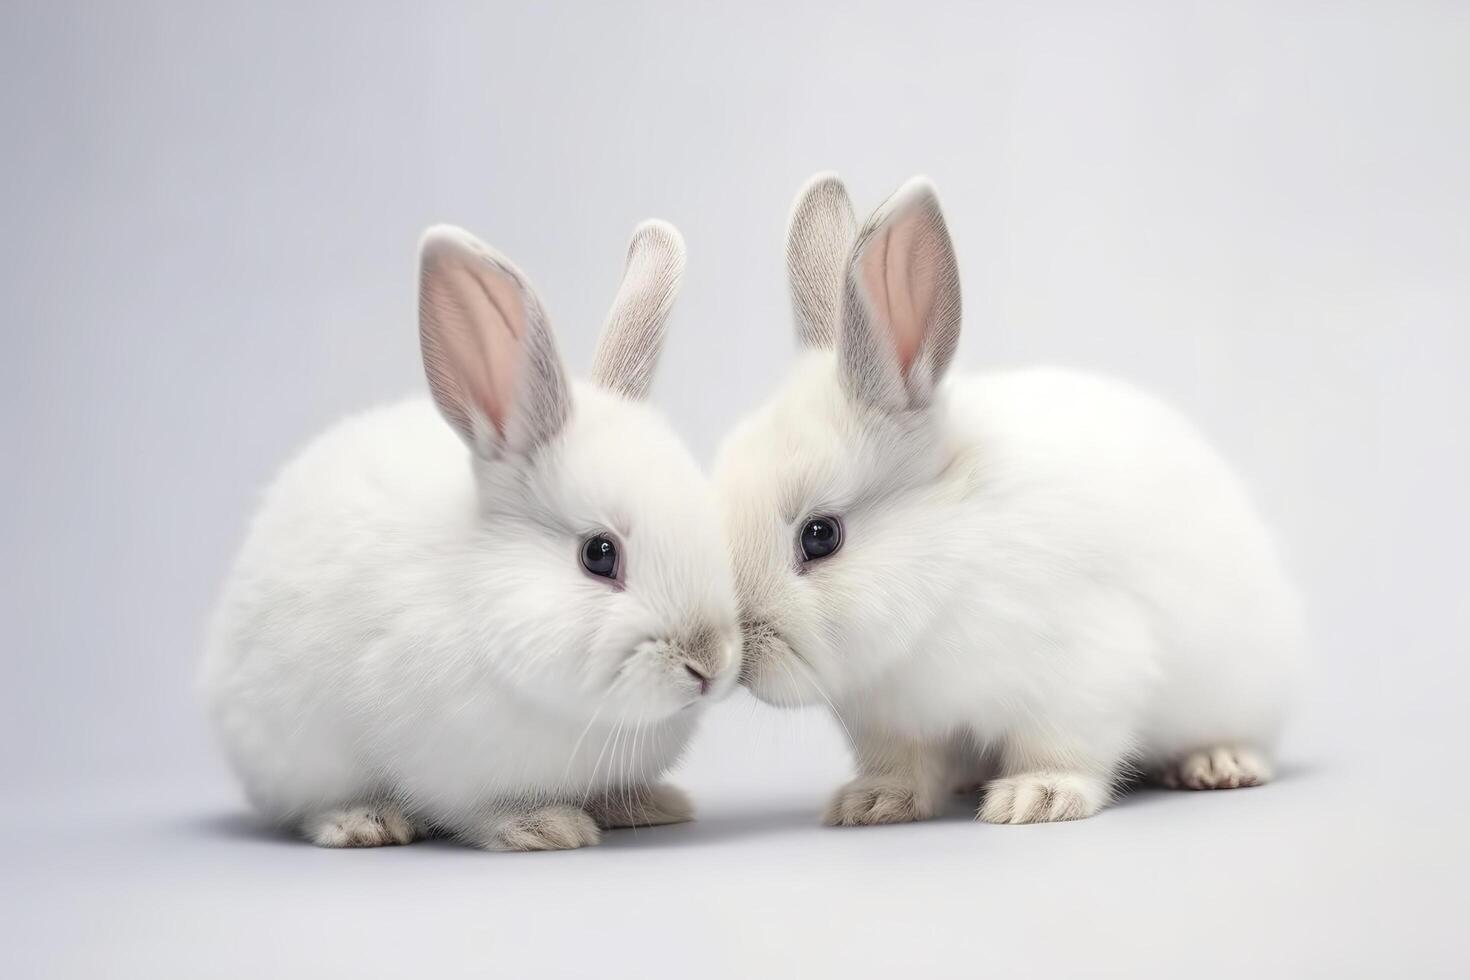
(1038, 576)
(502, 628)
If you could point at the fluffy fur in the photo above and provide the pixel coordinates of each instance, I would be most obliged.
(408, 642)
(1047, 580)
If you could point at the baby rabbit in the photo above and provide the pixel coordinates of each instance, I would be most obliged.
(1038, 576)
(503, 628)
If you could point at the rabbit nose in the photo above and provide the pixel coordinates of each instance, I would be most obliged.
(706, 652)
(697, 672)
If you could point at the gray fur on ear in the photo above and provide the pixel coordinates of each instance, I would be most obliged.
(633, 337)
(901, 302)
(489, 353)
(818, 239)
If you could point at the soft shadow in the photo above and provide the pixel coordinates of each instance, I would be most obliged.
(716, 828)
(1147, 793)
(713, 828)
(242, 826)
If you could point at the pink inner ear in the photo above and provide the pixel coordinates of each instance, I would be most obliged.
(899, 273)
(474, 319)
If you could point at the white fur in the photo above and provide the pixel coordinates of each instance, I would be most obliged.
(1043, 573)
(408, 631)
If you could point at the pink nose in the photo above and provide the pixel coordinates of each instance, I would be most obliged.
(698, 675)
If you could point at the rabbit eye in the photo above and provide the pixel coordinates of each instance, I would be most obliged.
(600, 556)
(820, 537)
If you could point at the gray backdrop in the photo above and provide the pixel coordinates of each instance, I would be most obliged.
(210, 211)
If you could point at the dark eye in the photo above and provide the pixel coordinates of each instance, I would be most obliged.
(820, 537)
(600, 556)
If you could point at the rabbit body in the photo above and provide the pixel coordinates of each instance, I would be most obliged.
(1046, 580)
(407, 643)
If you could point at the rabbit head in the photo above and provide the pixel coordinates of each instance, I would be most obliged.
(603, 579)
(827, 492)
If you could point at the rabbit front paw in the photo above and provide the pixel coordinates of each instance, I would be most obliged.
(648, 806)
(1221, 768)
(375, 825)
(551, 828)
(1042, 797)
(873, 800)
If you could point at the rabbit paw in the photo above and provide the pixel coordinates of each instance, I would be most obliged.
(1042, 797)
(552, 828)
(1224, 768)
(875, 800)
(374, 825)
(649, 806)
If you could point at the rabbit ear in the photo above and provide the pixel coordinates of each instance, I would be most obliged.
(818, 239)
(633, 336)
(488, 351)
(901, 302)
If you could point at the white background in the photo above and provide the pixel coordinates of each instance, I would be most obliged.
(1260, 210)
